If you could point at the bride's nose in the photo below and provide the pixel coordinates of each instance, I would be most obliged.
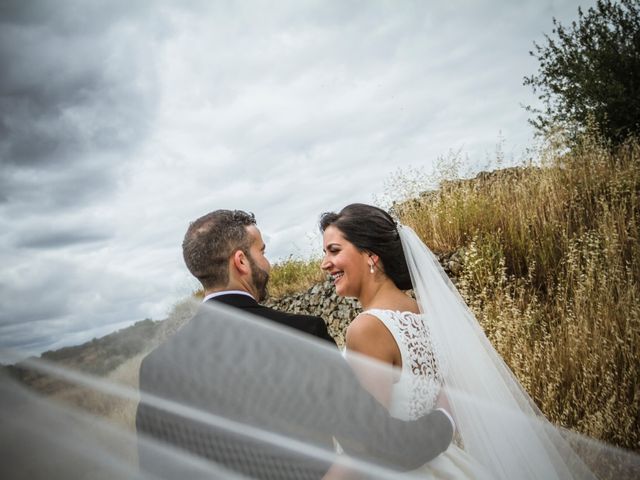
(325, 263)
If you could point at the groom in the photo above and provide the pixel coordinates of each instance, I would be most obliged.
(238, 369)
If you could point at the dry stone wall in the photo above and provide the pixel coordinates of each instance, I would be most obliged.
(321, 300)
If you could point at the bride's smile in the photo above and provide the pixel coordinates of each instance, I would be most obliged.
(336, 276)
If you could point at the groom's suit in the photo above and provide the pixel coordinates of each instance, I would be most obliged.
(305, 323)
(197, 367)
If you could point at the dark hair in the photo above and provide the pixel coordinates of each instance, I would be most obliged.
(211, 240)
(371, 229)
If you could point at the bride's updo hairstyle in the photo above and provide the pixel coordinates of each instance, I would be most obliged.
(371, 229)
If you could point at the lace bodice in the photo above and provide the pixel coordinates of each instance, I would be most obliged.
(416, 391)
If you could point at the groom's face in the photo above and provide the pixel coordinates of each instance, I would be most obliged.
(260, 266)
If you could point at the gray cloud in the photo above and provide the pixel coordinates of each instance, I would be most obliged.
(57, 239)
(121, 121)
(35, 290)
(78, 93)
(54, 301)
(77, 96)
(61, 99)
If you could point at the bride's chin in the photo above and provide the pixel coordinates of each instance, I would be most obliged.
(341, 292)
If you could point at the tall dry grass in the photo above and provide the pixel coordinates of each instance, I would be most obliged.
(552, 272)
(294, 275)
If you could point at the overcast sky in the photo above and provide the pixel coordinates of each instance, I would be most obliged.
(121, 121)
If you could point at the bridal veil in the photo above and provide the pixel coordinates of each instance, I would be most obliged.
(497, 422)
(270, 390)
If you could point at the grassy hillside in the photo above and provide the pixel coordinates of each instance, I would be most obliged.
(551, 259)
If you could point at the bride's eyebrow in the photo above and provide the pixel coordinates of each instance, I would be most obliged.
(331, 245)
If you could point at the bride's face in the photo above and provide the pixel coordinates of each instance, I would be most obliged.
(347, 265)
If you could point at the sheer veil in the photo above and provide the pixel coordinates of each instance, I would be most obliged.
(229, 395)
(499, 424)
(249, 393)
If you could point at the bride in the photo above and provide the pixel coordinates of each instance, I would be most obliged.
(437, 346)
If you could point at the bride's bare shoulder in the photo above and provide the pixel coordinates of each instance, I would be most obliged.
(367, 334)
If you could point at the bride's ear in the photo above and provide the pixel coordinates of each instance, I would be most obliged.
(373, 258)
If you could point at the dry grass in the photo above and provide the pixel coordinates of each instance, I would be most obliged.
(294, 275)
(552, 272)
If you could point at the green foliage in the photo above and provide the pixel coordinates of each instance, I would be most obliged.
(590, 72)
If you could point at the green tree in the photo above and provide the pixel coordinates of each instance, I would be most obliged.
(590, 73)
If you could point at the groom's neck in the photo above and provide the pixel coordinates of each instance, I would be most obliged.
(231, 286)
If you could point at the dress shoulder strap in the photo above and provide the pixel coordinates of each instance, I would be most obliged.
(387, 318)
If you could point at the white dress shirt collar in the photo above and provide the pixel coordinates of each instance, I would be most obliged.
(226, 292)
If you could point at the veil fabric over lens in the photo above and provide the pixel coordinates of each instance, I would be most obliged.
(248, 399)
(498, 422)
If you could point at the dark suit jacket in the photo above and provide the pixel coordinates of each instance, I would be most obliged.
(210, 365)
(305, 323)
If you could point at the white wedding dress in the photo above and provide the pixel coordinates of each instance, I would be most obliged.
(416, 391)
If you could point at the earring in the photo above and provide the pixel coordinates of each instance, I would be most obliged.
(371, 267)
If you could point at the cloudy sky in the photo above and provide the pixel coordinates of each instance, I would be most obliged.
(122, 121)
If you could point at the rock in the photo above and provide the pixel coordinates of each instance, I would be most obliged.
(454, 267)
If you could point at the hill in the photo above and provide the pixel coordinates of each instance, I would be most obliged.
(102, 356)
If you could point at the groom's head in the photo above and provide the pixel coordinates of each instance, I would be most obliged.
(224, 250)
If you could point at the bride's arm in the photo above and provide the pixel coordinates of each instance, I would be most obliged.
(368, 336)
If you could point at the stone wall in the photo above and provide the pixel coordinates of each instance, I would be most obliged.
(321, 300)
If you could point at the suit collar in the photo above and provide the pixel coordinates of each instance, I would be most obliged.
(235, 300)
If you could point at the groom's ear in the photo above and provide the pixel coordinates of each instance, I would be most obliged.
(240, 262)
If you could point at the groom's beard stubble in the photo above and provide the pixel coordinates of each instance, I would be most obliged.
(260, 279)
